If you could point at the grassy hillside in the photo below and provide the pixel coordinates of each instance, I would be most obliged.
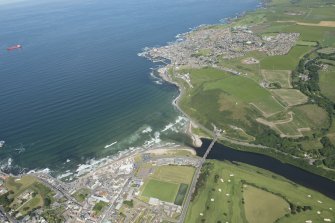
(285, 101)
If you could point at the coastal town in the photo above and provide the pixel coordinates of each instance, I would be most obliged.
(205, 46)
(114, 192)
(263, 80)
(127, 188)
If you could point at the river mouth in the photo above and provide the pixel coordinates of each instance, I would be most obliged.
(293, 173)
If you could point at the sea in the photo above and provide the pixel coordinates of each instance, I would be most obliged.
(77, 91)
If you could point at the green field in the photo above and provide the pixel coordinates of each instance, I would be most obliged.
(290, 130)
(290, 97)
(164, 191)
(246, 107)
(327, 50)
(247, 91)
(268, 208)
(175, 174)
(308, 117)
(223, 201)
(311, 145)
(282, 77)
(199, 76)
(327, 81)
(180, 152)
(202, 52)
(329, 62)
(227, 100)
(81, 194)
(323, 35)
(33, 203)
(307, 43)
(252, 70)
(285, 62)
(42, 195)
(19, 185)
(182, 192)
(98, 207)
(168, 183)
(311, 115)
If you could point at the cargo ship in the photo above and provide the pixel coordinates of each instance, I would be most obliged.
(18, 46)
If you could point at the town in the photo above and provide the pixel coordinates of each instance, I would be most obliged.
(204, 46)
(121, 190)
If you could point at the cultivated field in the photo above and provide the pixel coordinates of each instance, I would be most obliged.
(310, 115)
(322, 23)
(247, 91)
(223, 99)
(328, 50)
(291, 130)
(290, 97)
(327, 82)
(282, 77)
(285, 62)
(307, 43)
(299, 121)
(323, 35)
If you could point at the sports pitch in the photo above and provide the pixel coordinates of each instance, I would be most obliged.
(169, 183)
(164, 191)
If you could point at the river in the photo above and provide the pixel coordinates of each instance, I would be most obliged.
(293, 173)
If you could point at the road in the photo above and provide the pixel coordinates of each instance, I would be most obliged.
(107, 213)
(56, 187)
(217, 133)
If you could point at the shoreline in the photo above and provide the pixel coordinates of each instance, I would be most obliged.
(193, 122)
(196, 140)
(236, 144)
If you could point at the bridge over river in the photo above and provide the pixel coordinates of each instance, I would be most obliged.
(216, 133)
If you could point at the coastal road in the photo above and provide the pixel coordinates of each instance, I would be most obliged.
(217, 133)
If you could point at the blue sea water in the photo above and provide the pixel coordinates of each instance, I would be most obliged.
(78, 85)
